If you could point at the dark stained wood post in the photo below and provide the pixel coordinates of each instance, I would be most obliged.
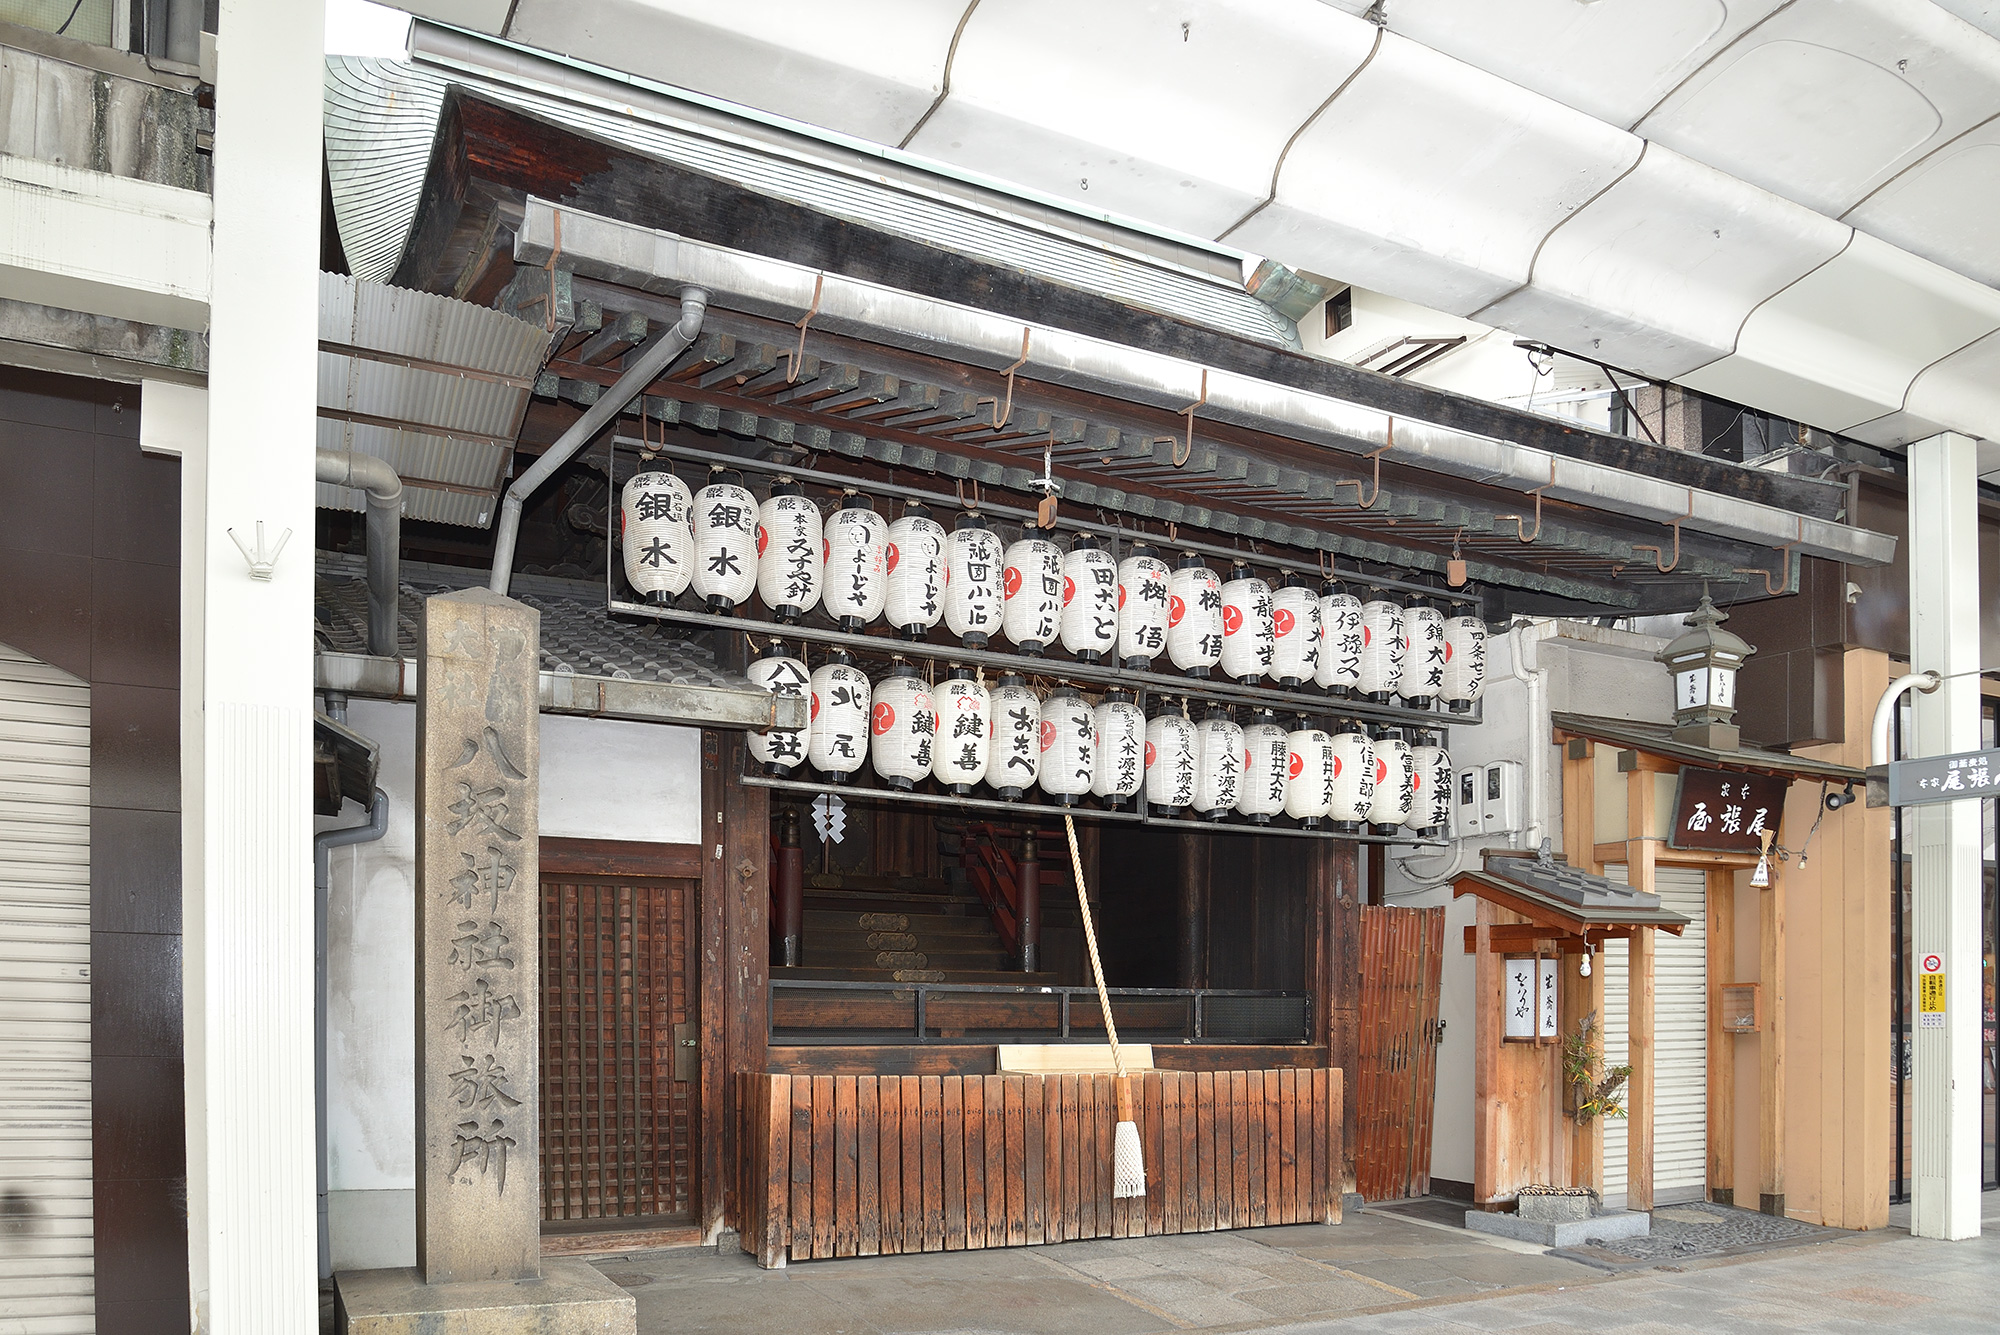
(791, 888)
(1192, 853)
(735, 955)
(1337, 990)
(1028, 900)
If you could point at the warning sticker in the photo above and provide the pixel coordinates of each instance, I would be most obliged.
(1930, 994)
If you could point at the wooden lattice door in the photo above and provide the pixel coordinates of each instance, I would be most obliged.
(1402, 967)
(620, 1087)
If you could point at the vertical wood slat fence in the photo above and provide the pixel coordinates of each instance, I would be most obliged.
(873, 1165)
(1402, 968)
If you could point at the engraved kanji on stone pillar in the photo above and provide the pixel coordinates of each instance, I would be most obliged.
(478, 755)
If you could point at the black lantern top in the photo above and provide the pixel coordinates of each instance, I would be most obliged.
(1704, 662)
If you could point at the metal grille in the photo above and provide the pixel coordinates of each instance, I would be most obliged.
(618, 1127)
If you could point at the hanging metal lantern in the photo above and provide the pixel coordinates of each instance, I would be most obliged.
(653, 515)
(1423, 655)
(837, 736)
(1308, 775)
(1069, 746)
(902, 728)
(790, 555)
(1261, 795)
(725, 541)
(1464, 663)
(972, 591)
(1142, 608)
(1172, 759)
(1121, 740)
(965, 727)
(1395, 784)
(780, 750)
(1089, 600)
(914, 567)
(1016, 751)
(1339, 667)
(1218, 764)
(1431, 772)
(1247, 636)
(1296, 633)
(1353, 778)
(1194, 617)
(857, 547)
(1033, 583)
(1381, 649)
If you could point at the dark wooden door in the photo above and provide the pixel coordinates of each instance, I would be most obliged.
(620, 1087)
(1402, 966)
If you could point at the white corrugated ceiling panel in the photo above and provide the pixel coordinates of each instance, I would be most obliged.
(1148, 109)
(1945, 208)
(1662, 268)
(1433, 181)
(46, 1271)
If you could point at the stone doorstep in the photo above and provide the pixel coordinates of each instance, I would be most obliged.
(1570, 1233)
(571, 1298)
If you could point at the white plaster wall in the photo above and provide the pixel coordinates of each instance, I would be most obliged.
(1587, 670)
(601, 779)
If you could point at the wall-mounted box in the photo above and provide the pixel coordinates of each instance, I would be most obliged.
(1467, 804)
(1500, 797)
(1741, 1008)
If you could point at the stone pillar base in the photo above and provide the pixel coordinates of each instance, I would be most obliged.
(570, 1298)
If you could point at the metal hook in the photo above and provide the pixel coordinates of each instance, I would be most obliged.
(1375, 492)
(1003, 411)
(792, 372)
(1181, 456)
(1520, 529)
(1784, 563)
(1668, 568)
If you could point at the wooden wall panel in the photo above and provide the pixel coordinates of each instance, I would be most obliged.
(1402, 962)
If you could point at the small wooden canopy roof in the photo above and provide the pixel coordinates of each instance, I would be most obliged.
(1564, 900)
(1658, 739)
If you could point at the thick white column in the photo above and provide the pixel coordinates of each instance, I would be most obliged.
(250, 923)
(1944, 638)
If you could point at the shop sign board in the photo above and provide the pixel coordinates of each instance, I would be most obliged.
(1944, 778)
(1719, 812)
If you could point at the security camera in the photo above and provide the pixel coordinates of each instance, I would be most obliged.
(1835, 801)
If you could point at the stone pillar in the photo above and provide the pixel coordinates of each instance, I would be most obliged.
(478, 754)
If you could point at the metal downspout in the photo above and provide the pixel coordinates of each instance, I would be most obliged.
(351, 468)
(652, 360)
(324, 842)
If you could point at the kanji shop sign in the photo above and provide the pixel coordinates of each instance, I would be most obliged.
(1944, 778)
(1719, 812)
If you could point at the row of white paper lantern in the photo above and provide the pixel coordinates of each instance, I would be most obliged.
(961, 733)
(723, 545)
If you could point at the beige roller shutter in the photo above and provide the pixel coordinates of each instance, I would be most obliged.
(1680, 1049)
(45, 1198)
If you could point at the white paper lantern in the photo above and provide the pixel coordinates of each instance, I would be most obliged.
(902, 728)
(1171, 761)
(790, 554)
(1033, 583)
(1464, 663)
(1016, 740)
(1430, 767)
(1308, 776)
(1089, 600)
(1194, 617)
(1142, 608)
(1353, 779)
(837, 737)
(653, 511)
(914, 562)
(1069, 746)
(1261, 795)
(965, 725)
(780, 750)
(1423, 655)
(1120, 767)
(1381, 648)
(1395, 784)
(1247, 636)
(1218, 765)
(725, 542)
(1296, 634)
(1339, 667)
(857, 547)
(972, 589)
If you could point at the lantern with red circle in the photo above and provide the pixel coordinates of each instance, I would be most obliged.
(1172, 760)
(1430, 766)
(913, 564)
(1121, 739)
(658, 541)
(778, 750)
(1218, 765)
(1194, 617)
(857, 547)
(1295, 632)
(837, 736)
(1016, 753)
(1142, 608)
(1423, 655)
(1395, 784)
(1089, 600)
(1069, 746)
(902, 728)
(965, 713)
(1308, 775)
(725, 541)
(1032, 583)
(1247, 635)
(1261, 795)
(790, 560)
(1464, 663)
(1339, 669)
(1381, 649)
(1353, 777)
(972, 587)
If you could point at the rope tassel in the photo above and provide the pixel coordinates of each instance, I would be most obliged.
(1128, 1167)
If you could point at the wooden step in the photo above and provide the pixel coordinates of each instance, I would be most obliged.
(1009, 977)
(952, 962)
(820, 921)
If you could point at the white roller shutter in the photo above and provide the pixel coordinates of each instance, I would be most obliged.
(45, 1166)
(1680, 1048)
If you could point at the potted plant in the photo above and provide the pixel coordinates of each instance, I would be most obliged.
(1589, 1095)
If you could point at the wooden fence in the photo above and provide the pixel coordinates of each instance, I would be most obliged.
(842, 1165)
